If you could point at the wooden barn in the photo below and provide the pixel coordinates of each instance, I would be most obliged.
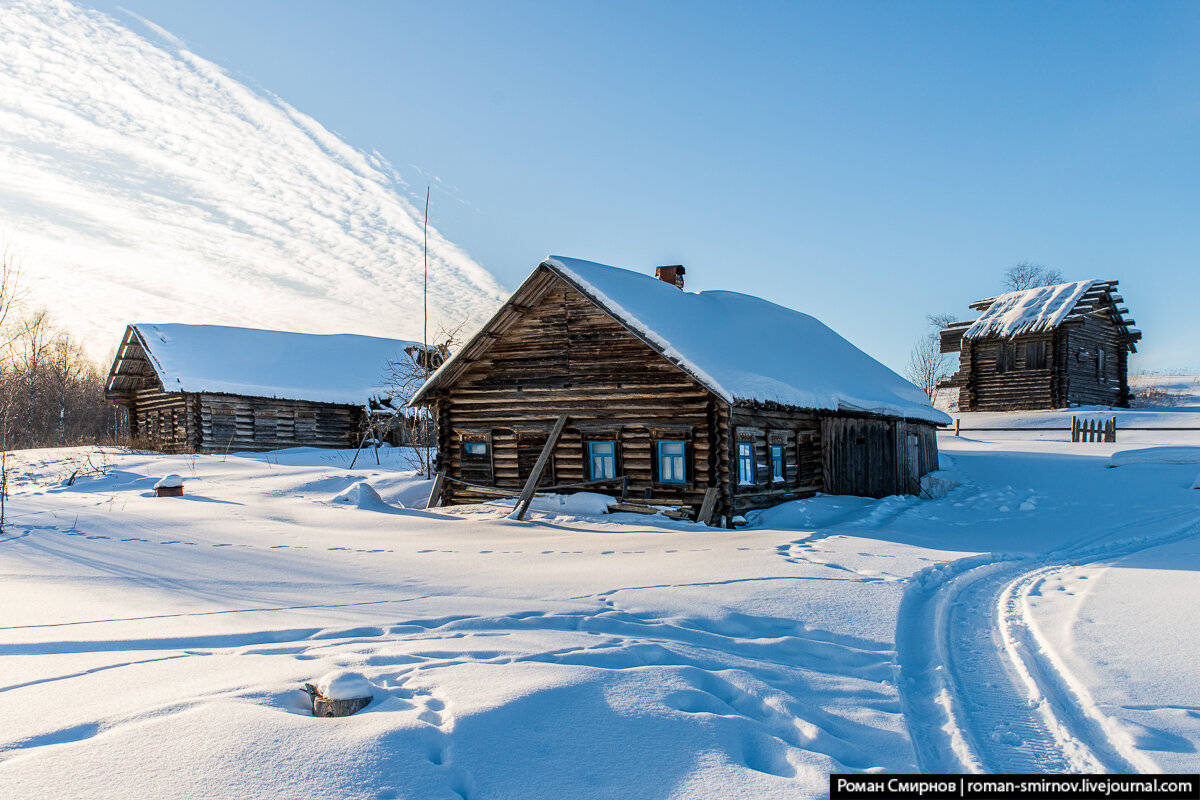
(1046, 347)
(661, 394)
(211, 388)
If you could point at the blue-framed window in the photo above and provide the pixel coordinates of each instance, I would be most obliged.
(602, 460)
(746, 463)
(777, 462)
(672, 464)
(475, 448)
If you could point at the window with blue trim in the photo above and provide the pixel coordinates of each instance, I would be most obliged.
(602, 458)
(672, 466)
(475, 448)
(746, 463)
(777, 462)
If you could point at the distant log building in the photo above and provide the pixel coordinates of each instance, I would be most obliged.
(668, 393)
(1047, 347)
(213, 388)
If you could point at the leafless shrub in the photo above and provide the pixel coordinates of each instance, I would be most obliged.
(1149, 393)
(927, 364)
(417, 426)
(1026, 275)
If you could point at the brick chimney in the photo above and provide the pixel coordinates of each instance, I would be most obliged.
(672, 275)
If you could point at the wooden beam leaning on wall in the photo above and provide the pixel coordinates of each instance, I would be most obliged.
(539, 467)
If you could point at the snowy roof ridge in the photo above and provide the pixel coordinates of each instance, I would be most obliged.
(340, 368)
(723, 340)
(1041, 308)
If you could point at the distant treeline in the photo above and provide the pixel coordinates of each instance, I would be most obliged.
(50, 392)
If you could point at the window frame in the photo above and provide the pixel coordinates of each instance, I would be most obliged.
(744, 458)
(467, 451)
(777, 458)
(610, 457)
(682, 456)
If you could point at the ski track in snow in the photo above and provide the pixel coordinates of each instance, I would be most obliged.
(980, 689)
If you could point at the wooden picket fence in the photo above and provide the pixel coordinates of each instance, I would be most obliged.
(1093, 430)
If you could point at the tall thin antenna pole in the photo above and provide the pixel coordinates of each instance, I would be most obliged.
(425, 335)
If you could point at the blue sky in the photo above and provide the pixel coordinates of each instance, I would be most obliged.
(864, 162)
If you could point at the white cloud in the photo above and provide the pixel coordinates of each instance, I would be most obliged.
(140, 182)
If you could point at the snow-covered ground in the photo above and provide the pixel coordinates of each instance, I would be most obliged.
(1036, 617)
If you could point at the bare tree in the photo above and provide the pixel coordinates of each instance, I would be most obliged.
(405, 376)
(1026, 275)
(927, 364)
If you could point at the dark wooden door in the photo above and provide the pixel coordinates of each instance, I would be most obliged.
(529, 447)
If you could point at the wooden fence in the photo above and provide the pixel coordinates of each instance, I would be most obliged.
(1081, 430)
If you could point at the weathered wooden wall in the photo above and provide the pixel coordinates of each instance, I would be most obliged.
(565, 356)
(798, 432)
(876, 457)
(988, 389)
(233, 422)
(160, 420)
(1082, 384)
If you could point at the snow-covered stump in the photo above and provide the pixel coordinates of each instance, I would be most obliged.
(170, 486)
(339, 694)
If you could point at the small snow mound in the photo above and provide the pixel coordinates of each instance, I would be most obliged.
(1029, 505)
(936, 485)
(1196, 485)
(1156, 455)
(362, 495)
(171, 481)
(579, 504)
(344, 685)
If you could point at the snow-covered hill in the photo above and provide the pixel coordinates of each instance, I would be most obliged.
(140, 182)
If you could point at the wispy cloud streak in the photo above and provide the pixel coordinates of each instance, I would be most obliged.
(142, 182)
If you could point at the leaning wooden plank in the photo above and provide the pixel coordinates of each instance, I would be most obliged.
(707, 506)
(539, 467)
(435, 494)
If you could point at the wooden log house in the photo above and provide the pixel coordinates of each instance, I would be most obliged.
(1045, 347)
(669, 393)
(210, 388)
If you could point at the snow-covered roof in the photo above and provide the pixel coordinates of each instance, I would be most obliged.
(740, 347)
(337, 368)
(1042, 308)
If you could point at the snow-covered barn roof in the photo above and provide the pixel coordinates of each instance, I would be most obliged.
(742, 348)
(1041, 309)
(337, 368)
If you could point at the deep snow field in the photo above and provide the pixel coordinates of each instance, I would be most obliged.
(1038, 616)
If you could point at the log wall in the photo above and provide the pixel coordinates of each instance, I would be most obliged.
(798, 433)
(229, 423)
(160, 420)
(1024, 387)
(1083, 383)
(565, 356)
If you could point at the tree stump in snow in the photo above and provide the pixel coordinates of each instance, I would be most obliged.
(170, 486)
(323, 706)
